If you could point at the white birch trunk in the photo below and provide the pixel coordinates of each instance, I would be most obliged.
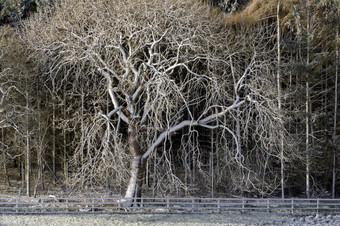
(28, 153)
(278, 79)
(307, 106)
(335, 112)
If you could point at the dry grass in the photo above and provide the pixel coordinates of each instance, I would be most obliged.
(257, 11)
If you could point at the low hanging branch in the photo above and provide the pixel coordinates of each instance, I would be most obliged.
(203, 122)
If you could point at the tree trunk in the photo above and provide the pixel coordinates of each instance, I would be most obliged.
(82, 137)
(28, 166)
(40, 150)
(54, 134)
(28, 153)
(335, 113)
(5, 164)
(279, 98)
(211, 161)
(307, 106)
(138, 163)
(154, 180)
(134, 189)
(6, 175)
(22, 178)
(65, 141)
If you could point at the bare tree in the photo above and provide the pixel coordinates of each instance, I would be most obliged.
(161, 63)
(335, 101)
(279, 93)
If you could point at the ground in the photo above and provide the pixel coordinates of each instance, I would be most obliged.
(171, 219)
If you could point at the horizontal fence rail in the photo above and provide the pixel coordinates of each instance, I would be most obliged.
(52, 205)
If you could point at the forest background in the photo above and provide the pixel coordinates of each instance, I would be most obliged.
(170, 98)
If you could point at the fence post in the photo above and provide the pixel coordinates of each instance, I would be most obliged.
(119, 208)
(92, 205)
(193, 205)
(317, 205)
(42, 205)
(242, 205)
(67, 207)
(267, 205)
(167, 205)
(218, 205)
(292, 205)
(16, 205)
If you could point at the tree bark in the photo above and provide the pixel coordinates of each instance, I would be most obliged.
(28, 152)
(279, 97)
(307, 106)
(65, 140)
(335, 112)
(54, 133)
(138, 163)
(6, 175)
(40, 150)
(5, 164)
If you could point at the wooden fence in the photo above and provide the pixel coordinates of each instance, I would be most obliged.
(52, 205)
